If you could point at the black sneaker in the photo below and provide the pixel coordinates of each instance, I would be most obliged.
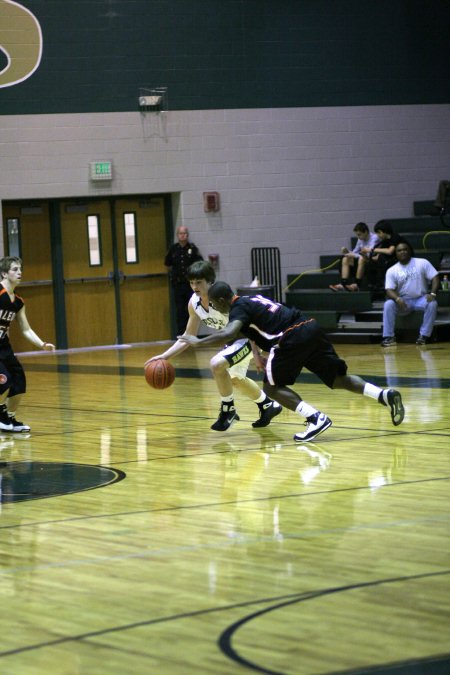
(315, 425)
(226, 418)
(267, 411)
(388, 342)
(18, 427)
(422, 340)
(5, 421)
(393, 399)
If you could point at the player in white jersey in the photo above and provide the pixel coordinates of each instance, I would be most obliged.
(230, 365)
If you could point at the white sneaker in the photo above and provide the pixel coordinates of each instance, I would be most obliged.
(314, 426)
(18, 427)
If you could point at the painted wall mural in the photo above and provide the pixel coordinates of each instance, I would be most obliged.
(20, 41)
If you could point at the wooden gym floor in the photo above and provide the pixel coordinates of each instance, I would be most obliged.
(133, 539)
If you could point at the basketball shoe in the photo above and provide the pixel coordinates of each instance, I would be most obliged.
(315, 425)
(227, 416)
(18, 427)
(5, 421)
(267, 411)
(393, 399)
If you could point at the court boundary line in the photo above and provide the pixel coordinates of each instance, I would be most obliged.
(294, 597)
(224, 641)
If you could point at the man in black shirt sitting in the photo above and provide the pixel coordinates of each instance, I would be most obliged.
(382, 256)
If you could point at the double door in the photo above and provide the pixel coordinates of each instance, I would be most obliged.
(93, 270)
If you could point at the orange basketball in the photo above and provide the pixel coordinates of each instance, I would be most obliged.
(159, 374)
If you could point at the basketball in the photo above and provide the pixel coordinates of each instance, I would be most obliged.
(159, 374)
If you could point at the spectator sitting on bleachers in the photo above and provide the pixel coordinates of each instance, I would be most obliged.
(381, 256)
(407, 290)
(366, 241)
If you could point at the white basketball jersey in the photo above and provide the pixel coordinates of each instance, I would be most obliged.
(239, 353)
(211, 318)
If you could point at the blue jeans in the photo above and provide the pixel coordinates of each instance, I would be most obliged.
(391, 309)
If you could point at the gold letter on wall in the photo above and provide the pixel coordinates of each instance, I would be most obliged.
(20, 41)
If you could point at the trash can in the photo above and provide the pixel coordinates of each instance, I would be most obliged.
(267, 291)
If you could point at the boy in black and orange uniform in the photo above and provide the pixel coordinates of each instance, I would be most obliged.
(292, 341)
(12, 376)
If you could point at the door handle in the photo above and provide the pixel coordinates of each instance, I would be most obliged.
(112, 277)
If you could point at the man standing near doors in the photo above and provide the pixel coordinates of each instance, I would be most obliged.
(178, 258)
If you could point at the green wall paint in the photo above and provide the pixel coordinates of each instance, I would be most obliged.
(97, 54)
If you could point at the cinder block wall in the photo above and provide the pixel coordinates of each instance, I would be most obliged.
(296, 178)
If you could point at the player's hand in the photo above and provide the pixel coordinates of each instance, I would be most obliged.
(402, 304)
(48, 347)
(153, 358)
(260, 362)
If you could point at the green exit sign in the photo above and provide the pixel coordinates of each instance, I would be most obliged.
(101, 170)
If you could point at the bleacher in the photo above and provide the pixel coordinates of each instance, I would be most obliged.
(358, 317)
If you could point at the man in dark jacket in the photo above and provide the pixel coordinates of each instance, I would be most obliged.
(178, 258)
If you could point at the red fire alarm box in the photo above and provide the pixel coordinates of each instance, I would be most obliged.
(211, 201)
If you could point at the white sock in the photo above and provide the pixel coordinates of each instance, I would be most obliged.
(227, 399)
(262, 397)
(305, 409)
(372, 391)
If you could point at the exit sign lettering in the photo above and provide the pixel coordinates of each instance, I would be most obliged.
(100, 170)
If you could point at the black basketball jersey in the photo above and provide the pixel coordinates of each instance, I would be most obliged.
(264, 321)
(8, 311)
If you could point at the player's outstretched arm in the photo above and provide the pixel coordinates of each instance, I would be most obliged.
(220, 337)
(29, 333)
(179, 346)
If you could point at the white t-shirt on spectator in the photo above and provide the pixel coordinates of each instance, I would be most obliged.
(371, 242)
(411, 280)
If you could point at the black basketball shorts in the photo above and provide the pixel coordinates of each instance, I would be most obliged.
(304, 345)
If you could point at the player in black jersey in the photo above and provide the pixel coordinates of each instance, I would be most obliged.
(292, 341)
(12, 376)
